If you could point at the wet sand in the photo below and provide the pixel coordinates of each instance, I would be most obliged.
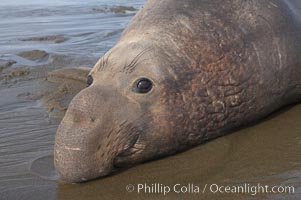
(36, 86)
(54, 38)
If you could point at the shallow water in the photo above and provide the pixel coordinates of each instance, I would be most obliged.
(89, 30)
(266, 153)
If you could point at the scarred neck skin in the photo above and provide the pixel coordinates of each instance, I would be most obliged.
(228, 69)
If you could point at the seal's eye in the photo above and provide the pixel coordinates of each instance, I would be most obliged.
(89, 80)
(142, 85)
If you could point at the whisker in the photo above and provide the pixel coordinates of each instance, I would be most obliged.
(133, 64)
(104, 61)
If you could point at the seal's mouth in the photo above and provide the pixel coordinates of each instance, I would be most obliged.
(132, 149)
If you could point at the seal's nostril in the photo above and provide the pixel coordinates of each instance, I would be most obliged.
(92, 119)
(89, 80)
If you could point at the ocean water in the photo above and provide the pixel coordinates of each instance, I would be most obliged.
(89, 27)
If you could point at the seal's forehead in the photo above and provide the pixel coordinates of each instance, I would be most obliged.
(125, 57)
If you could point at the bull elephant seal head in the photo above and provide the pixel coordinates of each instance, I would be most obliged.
(120, 119)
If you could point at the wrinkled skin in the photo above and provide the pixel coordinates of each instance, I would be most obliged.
(215, 66)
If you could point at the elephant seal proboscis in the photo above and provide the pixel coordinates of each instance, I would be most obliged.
(182, 73)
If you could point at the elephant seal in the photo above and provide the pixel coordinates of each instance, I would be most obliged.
(182, 73)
